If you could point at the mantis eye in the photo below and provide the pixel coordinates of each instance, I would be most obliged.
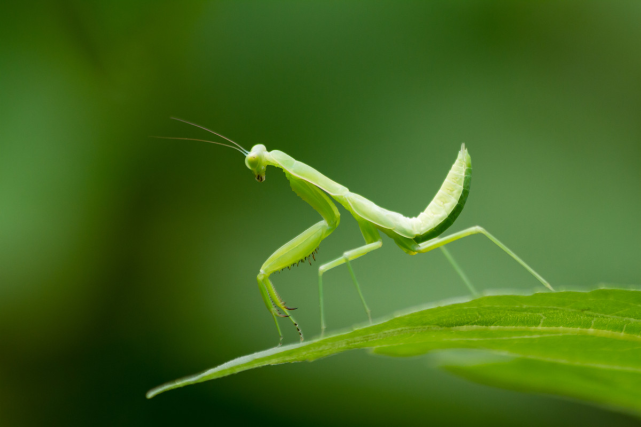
(252, 161)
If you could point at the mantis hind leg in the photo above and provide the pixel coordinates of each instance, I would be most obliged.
(441, 241)
(373, 242)
(459, 271)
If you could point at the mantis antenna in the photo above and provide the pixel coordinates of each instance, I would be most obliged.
(202, 140)
(215, 133)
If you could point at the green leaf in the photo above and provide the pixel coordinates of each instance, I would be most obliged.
(584, 345)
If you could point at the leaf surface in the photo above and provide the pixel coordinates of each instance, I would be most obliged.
(584, 345)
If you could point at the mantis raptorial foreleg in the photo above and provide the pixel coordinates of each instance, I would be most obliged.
(287, 255)
(369, 233)
(438, 242)
(297, 249)
(270, 306)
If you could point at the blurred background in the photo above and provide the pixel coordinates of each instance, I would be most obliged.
(127, 261)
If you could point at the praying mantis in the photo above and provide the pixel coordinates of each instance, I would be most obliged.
(415, 235)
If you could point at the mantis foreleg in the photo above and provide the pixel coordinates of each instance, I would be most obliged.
(302, 246)
(438, 242)
(289, 254)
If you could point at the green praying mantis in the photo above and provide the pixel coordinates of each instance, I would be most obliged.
(413, 235)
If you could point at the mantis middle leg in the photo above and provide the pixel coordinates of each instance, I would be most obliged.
(373, 241)
(440, 241)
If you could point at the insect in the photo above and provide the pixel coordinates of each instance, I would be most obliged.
(415, 235)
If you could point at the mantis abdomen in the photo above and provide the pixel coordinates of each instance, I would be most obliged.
(442, 211)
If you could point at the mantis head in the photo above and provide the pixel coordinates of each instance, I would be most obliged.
(255, 161)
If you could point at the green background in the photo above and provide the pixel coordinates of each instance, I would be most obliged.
(127, 261)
